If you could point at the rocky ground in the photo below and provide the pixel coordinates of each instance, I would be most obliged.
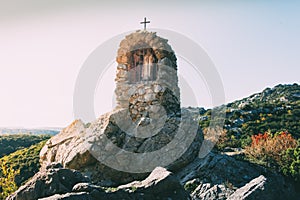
(214, 177)
(70, 170)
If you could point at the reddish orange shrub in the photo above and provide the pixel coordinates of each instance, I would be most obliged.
(268, 148)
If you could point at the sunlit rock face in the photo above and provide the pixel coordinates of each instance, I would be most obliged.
(146, 129)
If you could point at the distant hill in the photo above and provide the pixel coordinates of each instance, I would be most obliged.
(14, 142)
(48, 131)
(274, 109)
(278, 95)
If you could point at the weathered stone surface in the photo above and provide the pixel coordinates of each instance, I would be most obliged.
(216, 176)
(252, 190)
(141, 102)
(208, 191)
(53, 180)
(161, 184)
(220, 176)
(70, 196)
(77, 146)
(86, 187)
(218, 169)
(129, 70)
(273, 187)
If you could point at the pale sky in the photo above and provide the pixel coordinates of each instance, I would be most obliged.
(43, 45)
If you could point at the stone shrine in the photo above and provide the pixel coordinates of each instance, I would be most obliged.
(147, 147)
(146, 75)
(144, 131)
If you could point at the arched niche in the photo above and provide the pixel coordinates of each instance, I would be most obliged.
(142, 65)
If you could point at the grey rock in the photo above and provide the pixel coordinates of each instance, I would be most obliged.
(141, 91)
(48, 182)
(211, 192)
(252, 190)
(85, 187)
(70, 196)
(160, 184)
(157, 88)
(267, 188)
(220, 176)
(78, 146)
(218, 169)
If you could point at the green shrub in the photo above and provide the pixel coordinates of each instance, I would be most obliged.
(18, 167)
(7, 179)
(14, 142)
(290, 164)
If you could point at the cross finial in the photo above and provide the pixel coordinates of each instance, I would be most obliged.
(145, 22)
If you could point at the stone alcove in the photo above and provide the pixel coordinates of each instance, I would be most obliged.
(142, 65)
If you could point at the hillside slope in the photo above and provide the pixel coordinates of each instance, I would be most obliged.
(17, 167)
(14, 142)
(274, 109)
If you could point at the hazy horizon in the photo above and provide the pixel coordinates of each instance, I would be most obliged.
(43, 46)
(61, 127)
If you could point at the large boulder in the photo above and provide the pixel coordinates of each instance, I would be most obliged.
(160, 184)
(110, 152)
(253, 190)
(52, 180)
(216, 176)
(208, 191)
(219, 169)
(264, 188)
(219, 176)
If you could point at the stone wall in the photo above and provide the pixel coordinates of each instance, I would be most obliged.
(143, 97)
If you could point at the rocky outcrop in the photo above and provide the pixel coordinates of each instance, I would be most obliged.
(161, 184)
(219, 169)
(113, 150)
(147, 132)
(208, 191)
(53, 180)
(273, 187)
(218, 176)
(253, 190)
(147, 128)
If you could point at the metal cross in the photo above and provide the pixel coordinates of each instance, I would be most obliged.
(145, 22)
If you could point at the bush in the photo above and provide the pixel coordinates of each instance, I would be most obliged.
(7, 179)
(221, 138)
(18, 167)
(290, 164)
(14, 142)
(277, 151)
(216, 135)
